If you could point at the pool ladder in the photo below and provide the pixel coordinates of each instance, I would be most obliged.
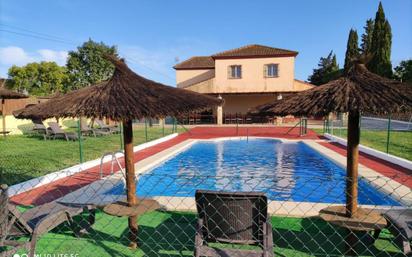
(113, 161)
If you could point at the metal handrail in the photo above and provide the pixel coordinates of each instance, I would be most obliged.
(303, 123)
(114, 158)
(297, 124)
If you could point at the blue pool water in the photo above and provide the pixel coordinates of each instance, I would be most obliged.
(284, 171)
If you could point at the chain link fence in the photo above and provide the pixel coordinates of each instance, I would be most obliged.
(176, 219)
(279, 213)
(34, 154)
(392, 135)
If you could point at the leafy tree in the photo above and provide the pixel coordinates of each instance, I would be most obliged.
(42, 78)
(367, 37)
(352, 50)
(87, 65)
(381, 45)
(328, 69)
(403, 71)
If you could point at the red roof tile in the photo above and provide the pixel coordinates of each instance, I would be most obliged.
(255, 51)
(196, 62)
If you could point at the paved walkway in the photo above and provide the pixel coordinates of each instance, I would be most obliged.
(388, 169)
(61, 187)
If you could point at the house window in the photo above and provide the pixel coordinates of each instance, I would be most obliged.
(235, 72)
(271, 70)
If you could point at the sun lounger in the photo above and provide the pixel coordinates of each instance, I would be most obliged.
(87, 130)
(111, 129)
(33, 223)
(400, 225)
(39, 128)
(57, 132)
(234, 218)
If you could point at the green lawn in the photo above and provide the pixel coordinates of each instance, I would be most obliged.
(400, 142)
(172, 233)
(25, 157)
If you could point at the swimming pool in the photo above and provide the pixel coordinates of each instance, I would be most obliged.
(285, 171)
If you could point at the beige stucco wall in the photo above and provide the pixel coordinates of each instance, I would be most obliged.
(205, 87)
(243, 103)
(300, 85)
(18, 126)
(253, 79)
(183, 75)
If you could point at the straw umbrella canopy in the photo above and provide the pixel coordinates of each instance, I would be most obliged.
(359, 91)
(7, 94)
(125, 97)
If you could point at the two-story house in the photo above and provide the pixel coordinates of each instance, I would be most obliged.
(244, 77)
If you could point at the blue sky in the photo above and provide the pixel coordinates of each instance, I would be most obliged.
(153, 35)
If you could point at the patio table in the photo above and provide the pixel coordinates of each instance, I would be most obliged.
(123, 209)
(4, 133)
(365, 220)
(85, 226)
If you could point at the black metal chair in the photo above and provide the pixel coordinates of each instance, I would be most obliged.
(233, 218)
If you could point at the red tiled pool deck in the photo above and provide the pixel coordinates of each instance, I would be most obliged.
(63, 186)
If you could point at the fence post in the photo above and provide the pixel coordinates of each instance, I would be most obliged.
(79, 133)
(163, 126)
(145, 128)
(389, 133)
(323, 130)
(121, 136)
(331, 128)
(328, 126)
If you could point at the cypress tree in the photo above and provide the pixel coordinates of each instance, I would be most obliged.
(381, 45)
(367, 37)
(352, 50)
(328, 69)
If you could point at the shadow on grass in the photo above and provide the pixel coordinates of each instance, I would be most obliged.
(292, 237)
(172, 234)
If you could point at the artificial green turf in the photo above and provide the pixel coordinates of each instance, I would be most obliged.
(25, 157)
(400, 142)
(172, 234)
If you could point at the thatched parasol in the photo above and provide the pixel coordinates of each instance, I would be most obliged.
(359, 91)
(7, 94)
(125, 97)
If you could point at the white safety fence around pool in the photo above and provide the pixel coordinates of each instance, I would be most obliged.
(192, 214)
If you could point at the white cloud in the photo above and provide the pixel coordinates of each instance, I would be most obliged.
(59, 57)
(14, 55)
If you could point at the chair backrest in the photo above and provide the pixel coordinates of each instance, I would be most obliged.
(232, 217)
(54, 126)
(4, 212)
(38, 124)
(84, 126)
(100, 123)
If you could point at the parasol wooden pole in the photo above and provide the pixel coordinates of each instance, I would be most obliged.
(352, 164)
(3, 102)
(130, 178)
